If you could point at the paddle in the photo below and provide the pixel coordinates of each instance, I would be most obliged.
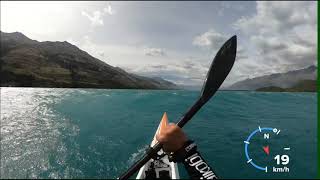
(219, 69)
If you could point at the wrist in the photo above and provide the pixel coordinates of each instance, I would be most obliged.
(185, 151)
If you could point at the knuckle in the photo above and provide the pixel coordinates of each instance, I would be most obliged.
(161, 138)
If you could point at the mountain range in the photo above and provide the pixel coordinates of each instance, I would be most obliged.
(30, 63)
(296, 80)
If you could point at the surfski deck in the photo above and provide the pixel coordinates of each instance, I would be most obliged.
(159, 168)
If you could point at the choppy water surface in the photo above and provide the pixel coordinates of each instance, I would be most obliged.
(78, 133)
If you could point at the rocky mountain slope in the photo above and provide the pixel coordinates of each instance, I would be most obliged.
(29, 63)
(279, 80)
(302, 86)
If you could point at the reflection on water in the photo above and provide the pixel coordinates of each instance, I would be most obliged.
(31, 132)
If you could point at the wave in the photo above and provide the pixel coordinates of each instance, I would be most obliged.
(137, 155)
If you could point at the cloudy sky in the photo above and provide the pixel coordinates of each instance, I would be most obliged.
(175, 40)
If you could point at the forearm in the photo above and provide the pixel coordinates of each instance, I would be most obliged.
(197, 168)
(195, 165)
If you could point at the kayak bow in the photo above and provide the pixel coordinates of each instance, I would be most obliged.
(159, 167)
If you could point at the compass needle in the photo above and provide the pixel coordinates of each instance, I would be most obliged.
(266, 149)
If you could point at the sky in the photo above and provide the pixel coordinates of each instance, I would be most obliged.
(175, 40)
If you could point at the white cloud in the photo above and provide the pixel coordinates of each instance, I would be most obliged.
(96, 17)
(282, 36)
(108, 10)
(156, 52)
(211, 39)
(278, 16)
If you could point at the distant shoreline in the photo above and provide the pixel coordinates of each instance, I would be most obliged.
(164, 89)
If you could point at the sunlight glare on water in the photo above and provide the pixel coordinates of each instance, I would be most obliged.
(30, 131)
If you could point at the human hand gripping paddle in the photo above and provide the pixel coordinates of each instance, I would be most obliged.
(219, 69)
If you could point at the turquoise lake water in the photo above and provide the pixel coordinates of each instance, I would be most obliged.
(78, 133)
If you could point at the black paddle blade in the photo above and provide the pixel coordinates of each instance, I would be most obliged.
(220, 68)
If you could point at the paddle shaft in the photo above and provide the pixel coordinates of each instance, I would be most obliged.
(152, 151)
